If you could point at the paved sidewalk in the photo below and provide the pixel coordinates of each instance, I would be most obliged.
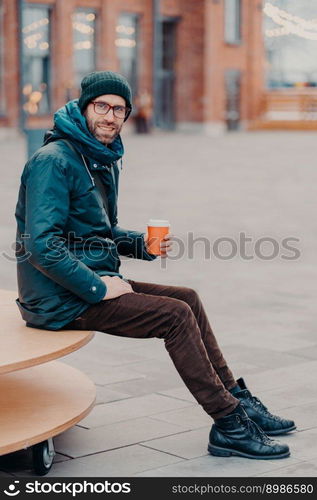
(263, 310)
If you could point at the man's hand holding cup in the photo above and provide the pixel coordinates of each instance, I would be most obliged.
(158, 240)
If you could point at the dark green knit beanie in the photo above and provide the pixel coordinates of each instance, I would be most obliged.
(104, 82)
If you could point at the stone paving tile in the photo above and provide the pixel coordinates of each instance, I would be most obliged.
(209, 466)
(187, 445)
(131, 408)
(240, 367)
(295, 395)
(106, 395)
(152, 349)
(307, 352)
(106, 343)
(308, 333)
(179, 393)
(163, 368)
(280, 342)
(61, 458)
(282, 378)
(146, 385)
(302, 469)
(104, 375)
(303, 444)
(303, 415)
(78, 441)
(126, 461)
(262, 358)
(104, 356)
(192, 417)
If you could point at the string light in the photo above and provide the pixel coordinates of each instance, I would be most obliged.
(290, 24)
(82, 15)
(36, 24)
(125, 42)
(31, 108)
(272, 10)
(34, 98)
(127, 30)
(276, 32)
(83, 28)
(33, 38)
(85, 45)
(27, 89)
(31, 41)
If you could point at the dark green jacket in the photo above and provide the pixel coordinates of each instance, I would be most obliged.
(65, 238)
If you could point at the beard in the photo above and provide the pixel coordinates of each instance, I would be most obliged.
(103, 131)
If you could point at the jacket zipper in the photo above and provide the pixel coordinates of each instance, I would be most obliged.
(91, 177)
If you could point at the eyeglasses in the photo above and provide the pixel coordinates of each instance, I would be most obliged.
(102, 108)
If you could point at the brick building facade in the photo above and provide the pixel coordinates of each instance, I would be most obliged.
(204, 68)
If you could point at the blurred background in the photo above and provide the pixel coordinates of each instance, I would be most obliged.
(211, 65)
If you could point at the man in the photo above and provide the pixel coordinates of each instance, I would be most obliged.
(68, 246)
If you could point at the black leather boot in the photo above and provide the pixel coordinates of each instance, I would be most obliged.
(272, 425)
(236, 434)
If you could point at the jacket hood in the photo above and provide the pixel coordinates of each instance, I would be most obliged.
(70, 124)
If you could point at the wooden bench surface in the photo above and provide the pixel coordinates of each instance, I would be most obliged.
(40, 402)
(22, 347)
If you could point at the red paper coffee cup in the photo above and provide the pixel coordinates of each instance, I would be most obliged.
(157, 229)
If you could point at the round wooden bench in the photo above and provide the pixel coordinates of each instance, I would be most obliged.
(38, 402)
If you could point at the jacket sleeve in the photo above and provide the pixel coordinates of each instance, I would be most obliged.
(130, 243)
(47, 206)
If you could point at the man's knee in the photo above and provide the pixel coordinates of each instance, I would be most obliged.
(189, 295)
(176, 312)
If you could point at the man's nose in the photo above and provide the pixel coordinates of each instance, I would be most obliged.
(110, 115)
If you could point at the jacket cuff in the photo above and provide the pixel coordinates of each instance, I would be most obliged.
(96, 291)
(146, 255)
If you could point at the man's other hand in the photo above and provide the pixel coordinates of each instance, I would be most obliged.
(115, 287)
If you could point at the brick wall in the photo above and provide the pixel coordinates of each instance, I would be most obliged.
(11, 64)
(201, 61)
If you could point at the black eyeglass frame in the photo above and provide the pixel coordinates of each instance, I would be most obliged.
(126, 108)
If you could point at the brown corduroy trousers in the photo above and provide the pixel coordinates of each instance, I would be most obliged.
(176, 315)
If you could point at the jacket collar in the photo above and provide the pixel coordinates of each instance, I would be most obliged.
(71, 124)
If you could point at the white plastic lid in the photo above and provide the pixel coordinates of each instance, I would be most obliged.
(158, 223)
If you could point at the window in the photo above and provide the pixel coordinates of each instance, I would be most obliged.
(36, 59)
(290, 31)
(2, 92)
(233, 21)
(233, 98)
(169, 45)
(84, 40)
(127, 46)
(166, 109)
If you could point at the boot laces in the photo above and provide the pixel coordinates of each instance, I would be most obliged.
(255, 430)
(260, 406)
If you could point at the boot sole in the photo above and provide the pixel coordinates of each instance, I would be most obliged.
(280, 432)
(226, 452)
